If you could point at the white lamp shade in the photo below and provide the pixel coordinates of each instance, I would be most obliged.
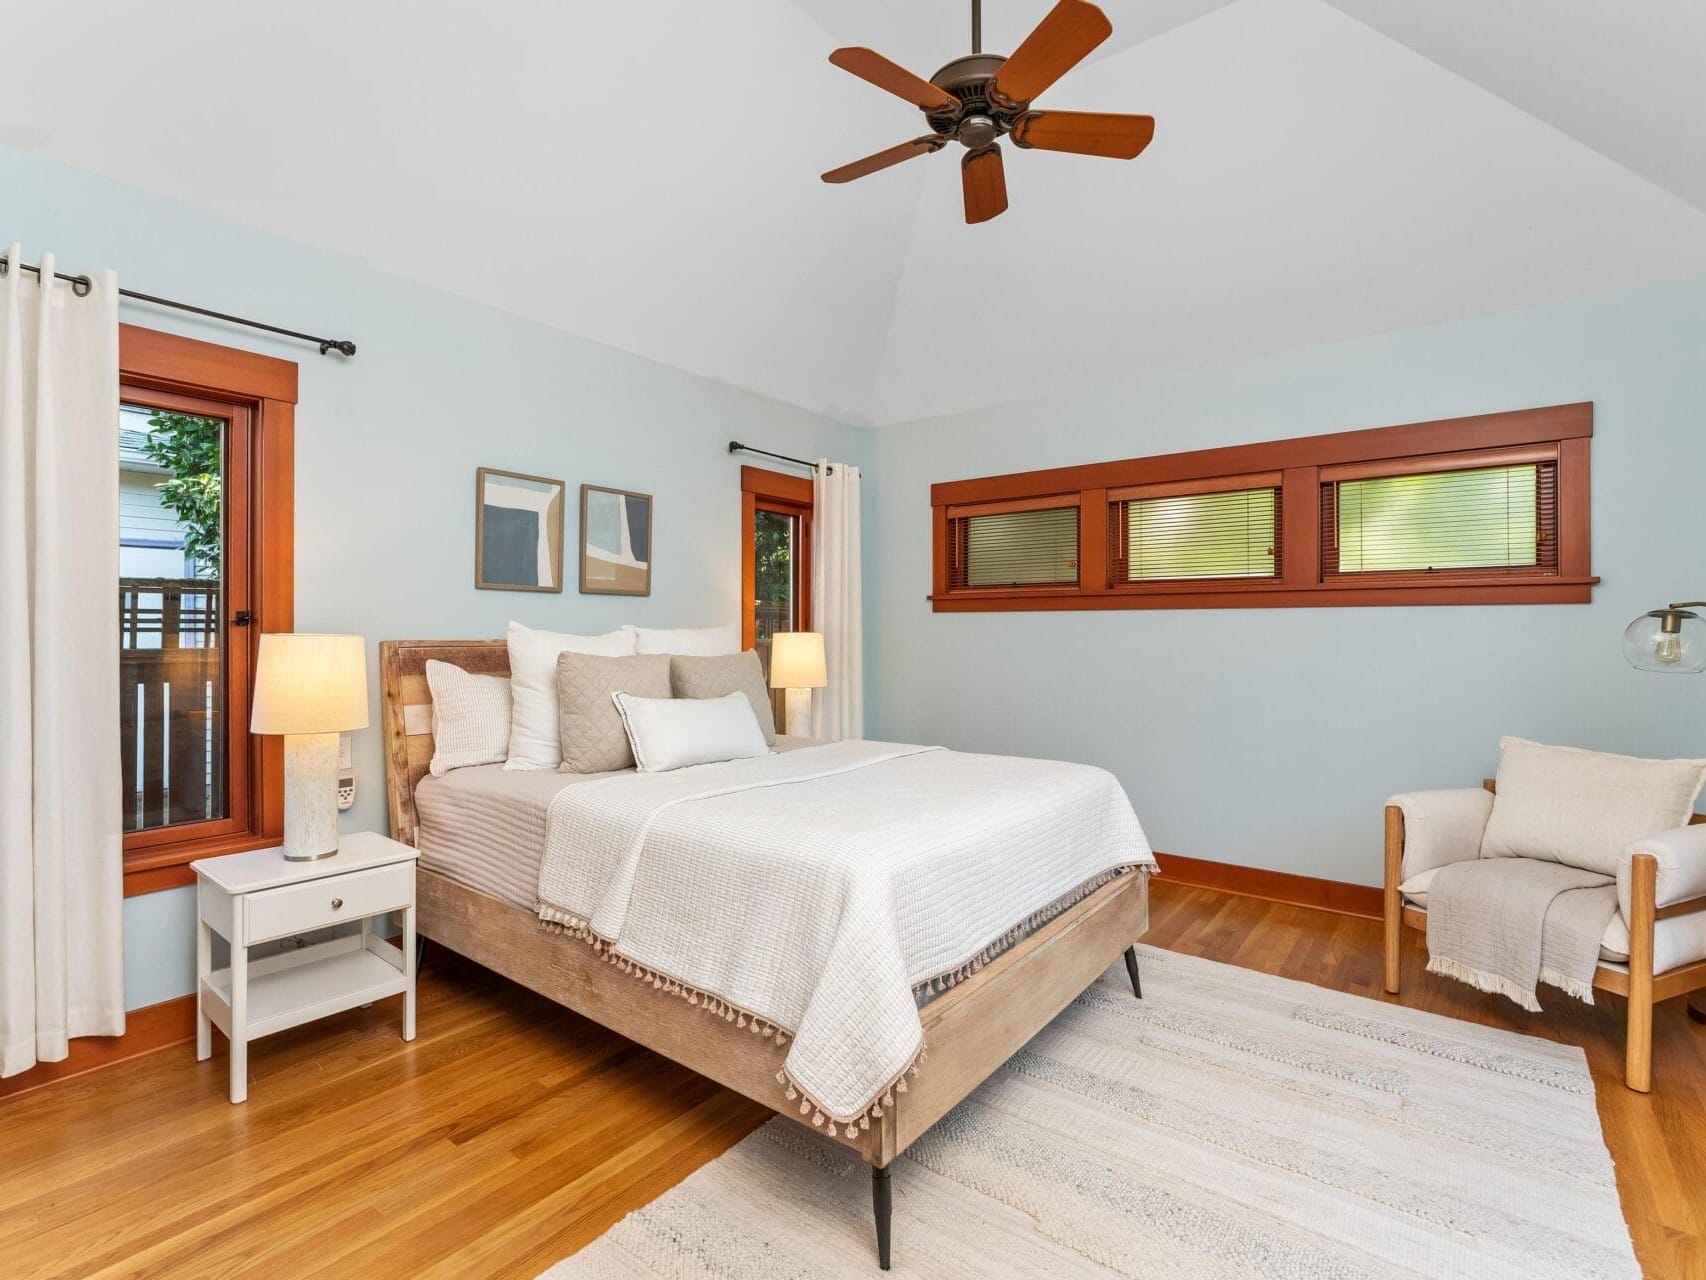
(796, 660)
(310, 684)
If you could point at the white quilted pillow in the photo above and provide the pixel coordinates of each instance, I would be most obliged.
(1560, 804)
(694, 642)
(534, 738)
(470, 717)
(672, 733)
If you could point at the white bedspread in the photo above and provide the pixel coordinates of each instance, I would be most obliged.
(809, 894)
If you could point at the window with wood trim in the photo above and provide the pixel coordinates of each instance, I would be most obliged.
(1015, 544)
(1491, 509)
(776, 561)
(205, 451)
(1475, 513)
(1211, 529)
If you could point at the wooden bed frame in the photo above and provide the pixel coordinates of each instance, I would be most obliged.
(971, 1029)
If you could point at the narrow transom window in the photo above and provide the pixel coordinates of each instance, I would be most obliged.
(1467, 519)
(1172, 534)
(1024, 545)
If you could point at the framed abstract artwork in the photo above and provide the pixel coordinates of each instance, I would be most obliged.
(616, 542)
(518, 531)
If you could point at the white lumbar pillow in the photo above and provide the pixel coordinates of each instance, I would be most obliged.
(1561, 804)
(535, 741)
(672, 733)
(470, 717)
(690, 642)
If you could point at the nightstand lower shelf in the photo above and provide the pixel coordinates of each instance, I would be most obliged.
(294, 987)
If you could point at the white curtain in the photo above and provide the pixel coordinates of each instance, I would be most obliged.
(61, 842)
(838, 711)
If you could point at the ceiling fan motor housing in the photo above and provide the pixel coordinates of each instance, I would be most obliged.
(982, 115)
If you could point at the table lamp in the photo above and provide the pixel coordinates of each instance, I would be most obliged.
(796, 664)
(309, 689)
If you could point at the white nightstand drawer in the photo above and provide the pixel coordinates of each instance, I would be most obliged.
(297, 908)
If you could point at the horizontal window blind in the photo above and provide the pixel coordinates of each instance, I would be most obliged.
(1014, 549)
(1488, 519)
(1233, 534)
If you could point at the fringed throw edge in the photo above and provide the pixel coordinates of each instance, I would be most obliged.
(554, 920)
(949, 978)
(1493, 983)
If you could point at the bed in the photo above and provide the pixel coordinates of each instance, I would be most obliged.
(478, 830)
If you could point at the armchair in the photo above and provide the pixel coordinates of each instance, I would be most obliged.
(1654, 948)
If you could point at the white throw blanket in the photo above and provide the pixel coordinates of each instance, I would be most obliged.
(1504, 924)
(809, 894)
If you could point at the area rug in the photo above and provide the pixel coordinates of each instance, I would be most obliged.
(1229, 1124)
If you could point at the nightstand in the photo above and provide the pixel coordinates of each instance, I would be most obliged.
(249, 898)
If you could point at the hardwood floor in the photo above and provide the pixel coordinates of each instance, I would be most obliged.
(512, 1132)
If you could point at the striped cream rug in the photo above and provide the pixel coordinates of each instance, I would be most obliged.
(1230, 1124)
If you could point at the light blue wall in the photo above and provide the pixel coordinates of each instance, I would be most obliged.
(1272, 737)
(387, 444)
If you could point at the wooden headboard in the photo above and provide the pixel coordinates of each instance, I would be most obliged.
(405, 708)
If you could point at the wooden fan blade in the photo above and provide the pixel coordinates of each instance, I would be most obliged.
(1085, 133)
(883, 159)
(1070, 30)
(985, 184)
(870, 65)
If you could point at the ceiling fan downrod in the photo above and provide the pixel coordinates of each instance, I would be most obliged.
(977, 26)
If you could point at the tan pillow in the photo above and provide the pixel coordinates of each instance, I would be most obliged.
(1560, 804)
(593, 737)
(691, 677)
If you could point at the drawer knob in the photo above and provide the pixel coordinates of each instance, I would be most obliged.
(336, 903)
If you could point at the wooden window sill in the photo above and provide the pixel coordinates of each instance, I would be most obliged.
(1339, 594)
(151, 870)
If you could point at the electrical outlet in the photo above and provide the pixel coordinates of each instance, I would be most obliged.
(346, 792)
(344, 752)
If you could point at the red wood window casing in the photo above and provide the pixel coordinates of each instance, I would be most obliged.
(255, 396)
(1303, 474)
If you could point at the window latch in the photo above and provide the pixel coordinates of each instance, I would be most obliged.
(242, 618)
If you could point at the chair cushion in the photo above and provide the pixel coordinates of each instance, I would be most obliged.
(1581, 808)
(1678, 941)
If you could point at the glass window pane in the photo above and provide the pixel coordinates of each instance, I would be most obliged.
(172, 690)
(1486, 518)
(1202, 535)
(775, 537)
(1021, 548)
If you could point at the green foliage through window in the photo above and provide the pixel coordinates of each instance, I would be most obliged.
(1202, 535)
(1485, 518)
(188, 446)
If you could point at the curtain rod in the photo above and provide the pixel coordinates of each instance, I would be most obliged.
(735, 446)
(80, 285)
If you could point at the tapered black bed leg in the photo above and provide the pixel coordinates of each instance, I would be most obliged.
(881, 1204)
(1131, 968)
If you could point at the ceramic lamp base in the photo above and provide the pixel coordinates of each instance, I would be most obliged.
(797, 713)
(310, 796)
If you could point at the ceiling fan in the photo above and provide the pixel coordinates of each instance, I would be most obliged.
(976, 99)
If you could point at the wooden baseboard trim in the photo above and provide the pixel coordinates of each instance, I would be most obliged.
(153, 1027)
(1275, 886)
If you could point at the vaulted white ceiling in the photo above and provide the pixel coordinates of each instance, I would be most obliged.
(646, 174)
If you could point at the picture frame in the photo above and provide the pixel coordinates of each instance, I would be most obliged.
(616, 542)
(518, 531)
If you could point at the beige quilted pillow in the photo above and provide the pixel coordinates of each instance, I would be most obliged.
(728, 673)
(1560, 804)
(470, 717)
(593, 737)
